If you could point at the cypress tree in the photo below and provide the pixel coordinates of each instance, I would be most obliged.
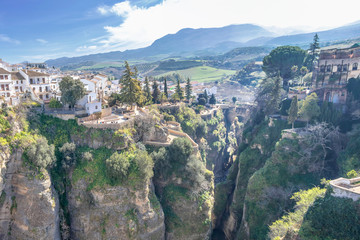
(188, 89)
(206, 96)
(293, 111)
(179, 91)
(156, 92)
(147, 91)
(166, 88)
(212, 99)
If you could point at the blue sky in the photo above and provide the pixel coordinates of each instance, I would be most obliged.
(37, 30)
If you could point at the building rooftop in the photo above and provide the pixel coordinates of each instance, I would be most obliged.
(36, 74)
(3, 71)
(16, 76)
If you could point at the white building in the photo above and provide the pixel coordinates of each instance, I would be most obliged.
(39, 84)
(7, 93)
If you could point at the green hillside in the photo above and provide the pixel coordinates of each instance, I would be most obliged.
(203, 74)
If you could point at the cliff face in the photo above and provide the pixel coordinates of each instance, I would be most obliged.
(114, 212)
(29, 204)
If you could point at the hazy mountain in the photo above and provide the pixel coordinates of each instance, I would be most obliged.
(341, 33)
(183, 43)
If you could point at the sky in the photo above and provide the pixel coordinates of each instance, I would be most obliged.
(38, 30)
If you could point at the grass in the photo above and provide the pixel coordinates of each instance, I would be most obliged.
(93, 172)
(203, 74)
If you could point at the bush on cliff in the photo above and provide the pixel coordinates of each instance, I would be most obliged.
(41, 154)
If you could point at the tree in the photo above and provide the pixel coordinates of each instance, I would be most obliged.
(156, 92)
(281, 60)
(114, 99)
(55, 103)
(309, 108)
(180, 149)
(315, 45)
(130, 92)
(117, 166)
(166, 88)
(179, 91)
(206, 96)
(71, 91)
(212, 99)
(41, 154)
(353, 87)
(147, 91)
(188, 89)
(202, 101)
(234, 99)
(269, 93)
(293, 111)
(68, 155)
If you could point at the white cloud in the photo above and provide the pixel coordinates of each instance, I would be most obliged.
(142, 26)
(42, 41)
(120, 9)
(5, 38)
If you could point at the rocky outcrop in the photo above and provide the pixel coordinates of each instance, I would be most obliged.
(115, 212)
(29, 205)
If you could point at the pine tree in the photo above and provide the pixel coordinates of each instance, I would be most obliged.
(293, 111)
(315, 45)
(147, 91)
(179, 91)
(131, 91)
(166, 88)
(188, 89)
(156, 92)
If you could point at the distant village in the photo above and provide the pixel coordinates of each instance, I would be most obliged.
(40, 83)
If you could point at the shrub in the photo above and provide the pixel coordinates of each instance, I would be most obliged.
(144, 165)
(41, 154)
(180, 150)
(87, 156)
(117, 166)
(55, 103)
(68, 155)
(352, 174)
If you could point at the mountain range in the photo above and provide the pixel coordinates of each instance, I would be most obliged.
(210, 41)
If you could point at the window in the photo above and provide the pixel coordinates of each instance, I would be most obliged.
(328, 68)
(16, 87)
(339, 68)
(96, 107)
(2, 87)
(6, 77)
(21, 89)
(322, 68)
(1, 77)
(47, 96)
(43, 80)
(21, 81)
(8, 94)
(41, 97)
(31, 81)
(40, 89)
(355, 66)
(17, 82)
(345, 68)
(7, 87)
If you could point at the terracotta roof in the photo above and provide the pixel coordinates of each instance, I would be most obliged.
(35, 74)
(3, 71)
(17, 76)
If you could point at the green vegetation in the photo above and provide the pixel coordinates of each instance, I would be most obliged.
(293, 111)
(188, 89)
(171, 65)
(71, 90)
(268, 97)
(289, 224)
(147, 92)
(282, 59)
(309, 108)
(202, 74)
(41, 154)
(55, 103)
(353, 87)
(332, 218)
(131, 91)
